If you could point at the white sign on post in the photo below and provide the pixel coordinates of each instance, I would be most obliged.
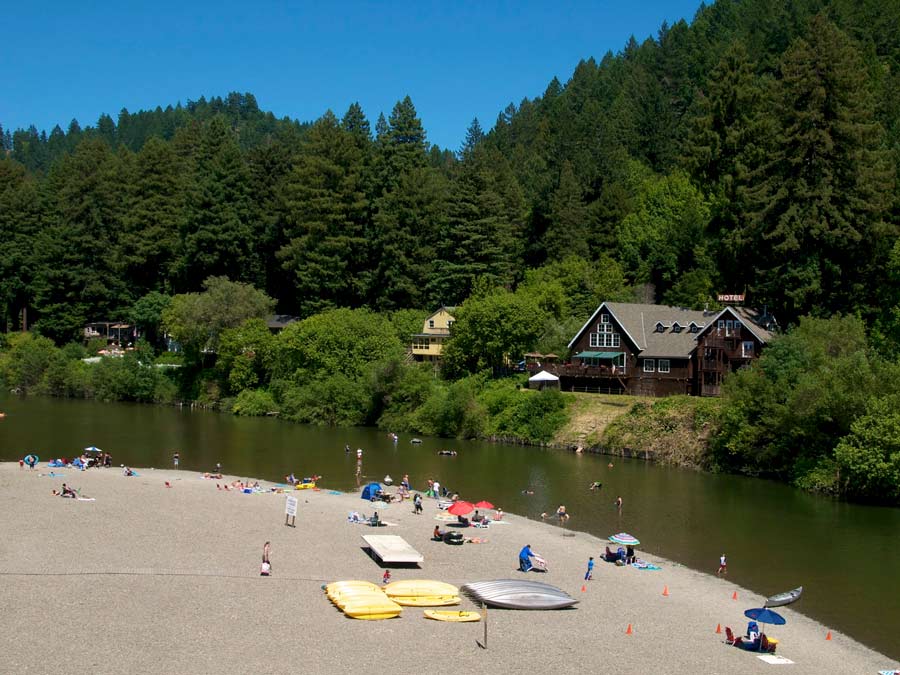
(290, 510)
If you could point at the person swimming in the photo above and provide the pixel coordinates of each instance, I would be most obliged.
(596, 485)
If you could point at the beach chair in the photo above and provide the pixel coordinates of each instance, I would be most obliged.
(730, 638)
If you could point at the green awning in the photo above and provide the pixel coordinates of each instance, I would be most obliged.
(598, 355)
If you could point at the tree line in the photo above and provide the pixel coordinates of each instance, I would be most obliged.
(753, 150)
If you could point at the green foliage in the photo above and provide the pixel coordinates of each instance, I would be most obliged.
(244, 355)
(197, 320)
(337, 400)
(146, 314)
(254, 403)
(23, 365)
(340, 341)
(532, 417)
(453, 411)
(490, 330)
(398, 392)
(787, 412)
(868, 458)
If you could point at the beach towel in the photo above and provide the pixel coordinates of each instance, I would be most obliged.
(85, 499)
(334, 492)
(641, 565)
(446, 518)
(774, 660)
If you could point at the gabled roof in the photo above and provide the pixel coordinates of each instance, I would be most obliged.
(753, 320)
(638, 323)
(443, 308)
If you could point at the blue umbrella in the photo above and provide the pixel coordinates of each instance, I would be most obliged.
(764, 616)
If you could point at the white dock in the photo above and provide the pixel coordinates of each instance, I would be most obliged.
(392, 549)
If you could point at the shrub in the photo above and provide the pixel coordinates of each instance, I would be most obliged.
(254, 402)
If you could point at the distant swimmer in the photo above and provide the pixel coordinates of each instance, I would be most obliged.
(609, 466)
(527, 492)
(618, 502)
(596, 485)
(347, 448)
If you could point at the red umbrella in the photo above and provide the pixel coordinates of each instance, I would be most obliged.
(483, 505)
(461, 508)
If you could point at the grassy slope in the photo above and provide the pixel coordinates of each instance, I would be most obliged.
(674, 430)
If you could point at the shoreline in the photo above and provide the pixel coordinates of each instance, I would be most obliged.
(172, 576)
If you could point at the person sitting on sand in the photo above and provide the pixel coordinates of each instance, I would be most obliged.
(127, 472)
(437, 535)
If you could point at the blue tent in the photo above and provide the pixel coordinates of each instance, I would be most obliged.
(371, 491)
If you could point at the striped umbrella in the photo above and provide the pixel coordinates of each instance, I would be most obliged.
(624, 539)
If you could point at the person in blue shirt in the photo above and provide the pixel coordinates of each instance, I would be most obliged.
(525, 556)
(590, 570)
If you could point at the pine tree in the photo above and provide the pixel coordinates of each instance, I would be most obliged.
(474, 136)
(569, 229)
(325, 209)
(818, 234)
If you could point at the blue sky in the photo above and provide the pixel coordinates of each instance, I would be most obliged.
(457, 60)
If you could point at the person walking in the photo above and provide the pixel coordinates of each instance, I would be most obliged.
(590, 569)
(417, 504)
(723, 565)
(176, 458)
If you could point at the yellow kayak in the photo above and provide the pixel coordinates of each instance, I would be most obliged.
(422, 593)
(445, 615)
(372, 609)
(304, 486)
(426, 600)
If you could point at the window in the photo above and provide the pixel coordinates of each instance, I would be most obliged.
(449, 325)
(676, 327)
(694, 327)
(729, 327)
(605, 328)
(664, 365)
(604, 318)
(720, 324)
(431, 323)
(660, 327)
(607, 340)
(649, 365)
(595, 340)
(747, 349)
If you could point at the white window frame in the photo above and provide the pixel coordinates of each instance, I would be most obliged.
(431, 323)
(604, 318)
(594, 340)
(649, 365)
(660, 327)
(745, 353)
(663, 366)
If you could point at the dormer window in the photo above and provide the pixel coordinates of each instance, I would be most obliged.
(694, 328)
(660, 327)
(676, 327)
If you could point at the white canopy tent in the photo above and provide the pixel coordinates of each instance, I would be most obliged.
(543, 379)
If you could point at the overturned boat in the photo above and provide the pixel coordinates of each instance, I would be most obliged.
(518, 594)
(786, 598)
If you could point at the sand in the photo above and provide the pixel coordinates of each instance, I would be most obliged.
(149, 579)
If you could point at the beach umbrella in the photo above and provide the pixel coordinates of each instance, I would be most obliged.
(624, 539)
(483, 505)
(92, 448)
(461, 508)
(764, 616)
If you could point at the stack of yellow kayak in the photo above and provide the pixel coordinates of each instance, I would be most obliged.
(362, 600)
(422, 593)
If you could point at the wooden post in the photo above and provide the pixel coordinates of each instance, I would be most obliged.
(484, 609)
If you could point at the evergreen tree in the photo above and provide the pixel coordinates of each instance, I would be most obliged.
(569, 229)
(474, 136)
(817, 232)
(325, 208)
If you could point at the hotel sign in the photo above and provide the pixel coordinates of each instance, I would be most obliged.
(731, 298)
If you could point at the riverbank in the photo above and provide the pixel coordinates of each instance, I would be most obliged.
(153, 579)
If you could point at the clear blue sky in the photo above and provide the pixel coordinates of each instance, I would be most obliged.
(457, 60)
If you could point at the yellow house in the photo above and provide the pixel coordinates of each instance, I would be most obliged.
(428, 345)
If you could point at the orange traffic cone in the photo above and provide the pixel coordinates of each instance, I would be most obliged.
(628, 630)
(828, 637)
(718, 628)
(583, 588)
(666, 591)
(734, 596)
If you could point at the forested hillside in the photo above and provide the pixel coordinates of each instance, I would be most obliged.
(753, 150)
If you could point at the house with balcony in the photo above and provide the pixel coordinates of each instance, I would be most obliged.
(656, 350)
(429, 344)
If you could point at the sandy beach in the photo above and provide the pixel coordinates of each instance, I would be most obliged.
(150, 579)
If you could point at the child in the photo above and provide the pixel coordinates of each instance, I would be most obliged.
(590, 570)
(386, 579)
(723, 566)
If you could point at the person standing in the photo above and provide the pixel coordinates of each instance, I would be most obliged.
(618, 503)
(417, 504)
(437, 490)
(176, 458)
(723, 565)
(590, 569)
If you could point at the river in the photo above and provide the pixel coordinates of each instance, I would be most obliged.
(776, 538)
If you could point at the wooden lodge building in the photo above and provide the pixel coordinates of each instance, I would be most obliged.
(654, 350)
